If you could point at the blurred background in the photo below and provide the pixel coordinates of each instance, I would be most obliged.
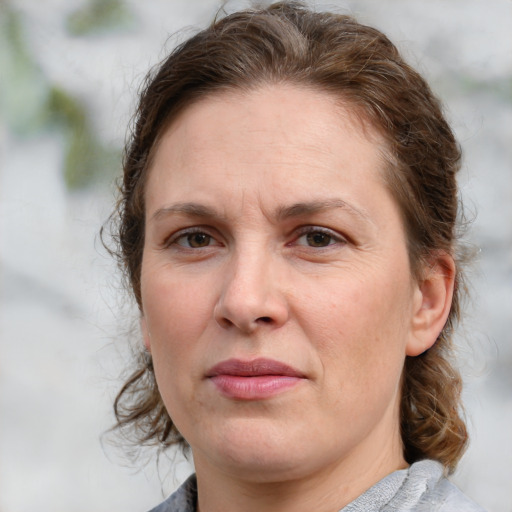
(69, 74)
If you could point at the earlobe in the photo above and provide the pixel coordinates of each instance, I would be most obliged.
(145, 333)
(432, 304)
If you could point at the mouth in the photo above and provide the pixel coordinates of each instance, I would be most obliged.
(258, 379)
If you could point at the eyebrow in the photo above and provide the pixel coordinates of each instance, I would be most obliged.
(312, 207)
(300, 209)
(187, 209)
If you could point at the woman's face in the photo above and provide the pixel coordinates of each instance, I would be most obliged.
(277, 296)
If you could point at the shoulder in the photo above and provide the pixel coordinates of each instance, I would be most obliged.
(446, 497)
(421, 488)
(184, 499)
(435, 492)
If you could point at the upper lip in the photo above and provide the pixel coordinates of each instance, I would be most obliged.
(253, 368)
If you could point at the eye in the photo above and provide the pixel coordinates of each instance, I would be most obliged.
(193, 240)
(318, 238)
(196, 240)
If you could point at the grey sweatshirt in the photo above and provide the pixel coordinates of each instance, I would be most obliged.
(420, 488)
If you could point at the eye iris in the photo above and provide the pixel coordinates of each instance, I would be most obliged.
(198, 239)
(318, 239)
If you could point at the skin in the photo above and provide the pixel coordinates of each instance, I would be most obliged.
(270, 233)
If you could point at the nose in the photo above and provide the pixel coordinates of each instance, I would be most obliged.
(252, 294)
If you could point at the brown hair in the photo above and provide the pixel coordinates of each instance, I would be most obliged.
(286, 42)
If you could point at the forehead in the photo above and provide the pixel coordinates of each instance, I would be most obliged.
(301, 139)
(273, 106)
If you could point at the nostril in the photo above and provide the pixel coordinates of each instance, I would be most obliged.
(264, 319)
(226, 322)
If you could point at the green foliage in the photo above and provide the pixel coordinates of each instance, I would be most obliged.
(22, 85)
(500, 88)
(100, 16)
(30, 105)
(86, 160)
(455, 83)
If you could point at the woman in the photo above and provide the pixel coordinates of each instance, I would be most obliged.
(288, 227)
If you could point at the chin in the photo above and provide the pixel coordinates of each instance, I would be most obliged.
(260, 451)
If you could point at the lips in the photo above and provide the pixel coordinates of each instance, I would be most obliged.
(253, 380)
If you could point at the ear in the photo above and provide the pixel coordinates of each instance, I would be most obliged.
(145, 333)
(432, 303)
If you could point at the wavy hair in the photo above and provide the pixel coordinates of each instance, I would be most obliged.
(288, 43)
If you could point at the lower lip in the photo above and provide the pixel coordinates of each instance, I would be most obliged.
(253, 388)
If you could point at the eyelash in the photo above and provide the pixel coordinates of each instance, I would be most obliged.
(335, 238)
(305, 231)
(184, 234)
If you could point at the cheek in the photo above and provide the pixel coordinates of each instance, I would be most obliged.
(176, 317)
(173, 302)
(360, 328)
(176, 314)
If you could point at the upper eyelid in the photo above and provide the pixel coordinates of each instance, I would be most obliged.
(304, 230)
(170, 239)
(313, 227)
(214, 233)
